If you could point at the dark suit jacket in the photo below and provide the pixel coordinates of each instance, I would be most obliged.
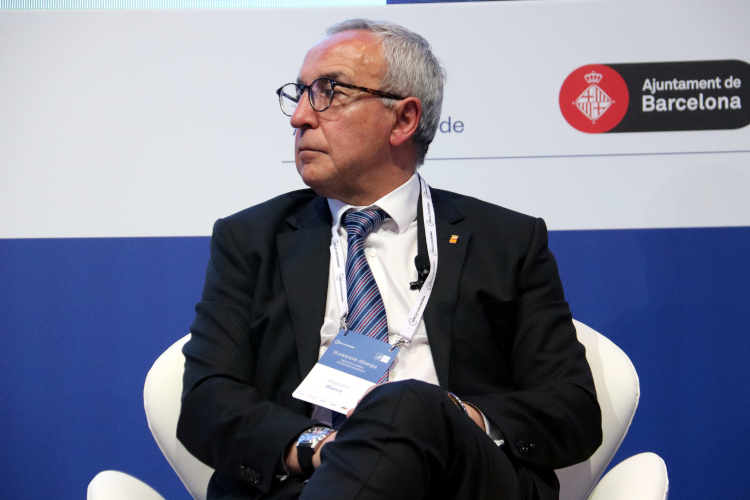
(499, 328)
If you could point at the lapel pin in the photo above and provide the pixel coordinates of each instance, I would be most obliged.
(453, 239)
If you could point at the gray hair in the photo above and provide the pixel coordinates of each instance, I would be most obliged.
(412, 70)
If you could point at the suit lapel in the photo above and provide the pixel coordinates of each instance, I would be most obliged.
(440, 310)
(304, 260)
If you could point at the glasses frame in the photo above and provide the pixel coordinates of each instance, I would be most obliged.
(334, 84)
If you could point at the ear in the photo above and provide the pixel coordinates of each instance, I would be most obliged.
(407, 115)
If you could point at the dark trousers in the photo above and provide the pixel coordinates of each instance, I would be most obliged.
(408, 440)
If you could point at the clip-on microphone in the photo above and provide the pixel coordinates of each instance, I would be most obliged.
(421, 261)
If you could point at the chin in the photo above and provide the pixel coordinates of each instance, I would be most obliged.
(319, 179)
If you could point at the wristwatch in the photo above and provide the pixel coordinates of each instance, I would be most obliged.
(307, 443)
(458, 402)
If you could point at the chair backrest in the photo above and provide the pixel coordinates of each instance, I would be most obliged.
(618, 391)
(161, 398)
(615, 378)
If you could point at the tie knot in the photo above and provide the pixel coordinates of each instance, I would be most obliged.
(359, 224)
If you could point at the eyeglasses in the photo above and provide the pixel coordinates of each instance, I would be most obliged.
(320, 92)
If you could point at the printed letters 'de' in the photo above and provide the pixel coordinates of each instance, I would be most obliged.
(655, 97)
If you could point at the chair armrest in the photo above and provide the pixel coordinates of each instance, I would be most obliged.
(115, 485)
(640, 477)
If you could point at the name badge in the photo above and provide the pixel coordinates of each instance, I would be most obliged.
(351, 365)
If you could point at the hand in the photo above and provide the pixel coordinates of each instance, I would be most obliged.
(290, 457)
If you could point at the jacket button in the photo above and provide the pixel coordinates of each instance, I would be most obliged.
(524, 447)
(252, 476)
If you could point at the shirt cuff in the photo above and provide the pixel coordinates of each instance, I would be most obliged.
(490, 428)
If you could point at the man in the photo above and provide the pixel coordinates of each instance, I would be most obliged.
(496, 331)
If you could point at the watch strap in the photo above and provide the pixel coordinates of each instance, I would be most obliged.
(305, 459)
(307, 443)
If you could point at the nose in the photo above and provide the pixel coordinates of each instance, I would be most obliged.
(304, 114)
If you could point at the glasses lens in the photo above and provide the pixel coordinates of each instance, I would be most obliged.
(288, 98)
(322, 94)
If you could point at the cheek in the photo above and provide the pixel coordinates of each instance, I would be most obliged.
(365, 131)
(349, 135)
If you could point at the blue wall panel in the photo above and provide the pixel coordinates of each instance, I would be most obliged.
(676, 301)
(82, 320)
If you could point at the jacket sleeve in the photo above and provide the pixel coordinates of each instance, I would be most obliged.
(225, 421)
(550, 417)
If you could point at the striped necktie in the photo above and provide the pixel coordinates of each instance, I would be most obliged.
(366, 310)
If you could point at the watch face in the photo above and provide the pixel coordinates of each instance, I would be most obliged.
(314, 435)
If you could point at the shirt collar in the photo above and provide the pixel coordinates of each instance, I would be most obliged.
(400, 204)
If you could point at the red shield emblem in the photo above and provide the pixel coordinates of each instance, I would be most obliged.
(594, 98)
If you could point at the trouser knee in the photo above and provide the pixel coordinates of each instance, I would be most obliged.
(415, 392)
(408, 404)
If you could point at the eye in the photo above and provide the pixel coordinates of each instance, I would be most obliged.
(327, 92)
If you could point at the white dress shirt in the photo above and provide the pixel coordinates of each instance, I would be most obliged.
(390, 250)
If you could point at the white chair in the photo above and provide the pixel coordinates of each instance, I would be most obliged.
(618, 392)
(641, 477)
(161, 398)
(115, 485)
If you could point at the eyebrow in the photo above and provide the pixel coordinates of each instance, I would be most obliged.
(335, 75)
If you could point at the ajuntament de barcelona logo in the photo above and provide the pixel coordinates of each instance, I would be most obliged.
(653, 97)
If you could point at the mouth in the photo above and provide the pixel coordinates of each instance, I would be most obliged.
(309, 150)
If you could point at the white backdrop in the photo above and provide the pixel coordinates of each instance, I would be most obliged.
(156, 123)
(149, 123)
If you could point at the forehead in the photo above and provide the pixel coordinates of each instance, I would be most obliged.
(350, 57)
